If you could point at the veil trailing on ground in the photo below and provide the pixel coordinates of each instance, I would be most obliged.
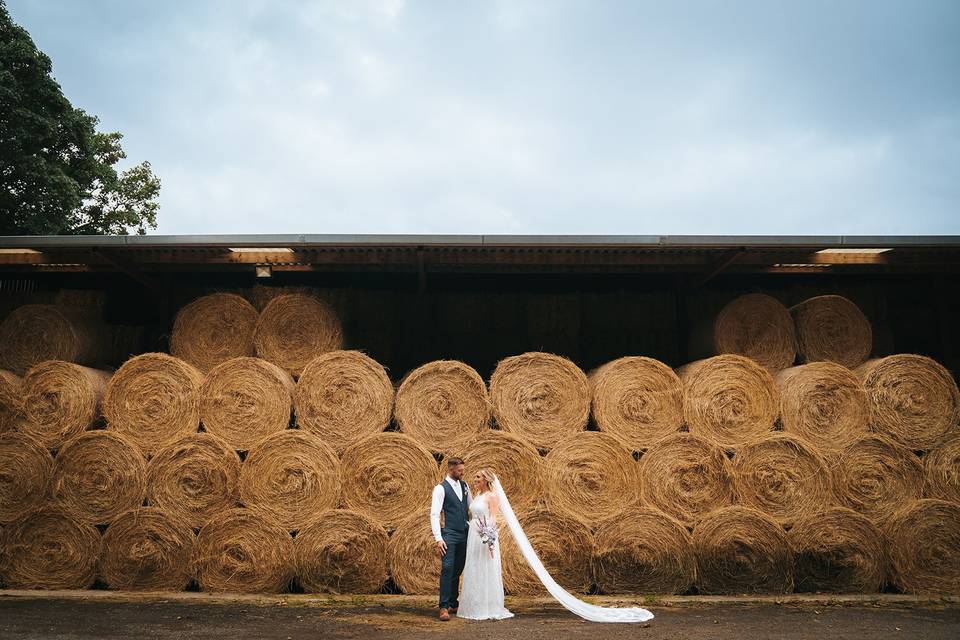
(583, 609)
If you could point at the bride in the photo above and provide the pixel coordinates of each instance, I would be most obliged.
(481, 596)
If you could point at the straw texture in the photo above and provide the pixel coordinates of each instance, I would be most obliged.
(26, 469)
(759, 327)
(516, 463)
(153, 400)
(243, 400)
(98, 475)
(643, 551)
(344, 396)
(637, 399)
(923, 546)
(783, 476)
(213, 329)
(12, 415)
(729, 399)
(941, 471)
(564, 544)
(194, 479)
(913, 400)
(342, 552)
(61, 400)
(241, 552)
(388, 476)
(412, 552)
(832, 328)
(34, 333)
(443, 405)
(293, 329)
(147, 549)
(590, 476)
(48, 549)
(290, 478)
(742, 550)
(824, 403)
(874, 476)
(541, 397)
(837, 550)
(686, 477)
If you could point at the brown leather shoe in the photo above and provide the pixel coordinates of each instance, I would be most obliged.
(453, 611)
(444, 615)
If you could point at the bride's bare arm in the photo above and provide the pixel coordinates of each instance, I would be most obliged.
(494, 503)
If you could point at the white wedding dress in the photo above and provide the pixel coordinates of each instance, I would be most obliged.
(481, 593)
(481, 596)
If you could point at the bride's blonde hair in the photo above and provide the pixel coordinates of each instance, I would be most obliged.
(487, 474)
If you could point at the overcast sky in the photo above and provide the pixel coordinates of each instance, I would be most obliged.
(385, 116)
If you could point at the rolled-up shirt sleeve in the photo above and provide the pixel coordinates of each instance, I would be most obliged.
(436, 506)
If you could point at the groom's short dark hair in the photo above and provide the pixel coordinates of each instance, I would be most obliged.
(454, 461)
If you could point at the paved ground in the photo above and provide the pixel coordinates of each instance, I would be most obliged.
(80, 615)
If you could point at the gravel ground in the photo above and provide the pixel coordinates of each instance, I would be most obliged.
(137, 616)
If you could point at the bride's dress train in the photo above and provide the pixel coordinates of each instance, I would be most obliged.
(485, 581)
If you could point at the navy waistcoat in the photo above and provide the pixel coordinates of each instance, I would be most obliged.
(455, 510)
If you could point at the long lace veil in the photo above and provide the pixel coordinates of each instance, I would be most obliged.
(583, 609)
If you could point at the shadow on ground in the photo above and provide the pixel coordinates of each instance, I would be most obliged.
(49, 617)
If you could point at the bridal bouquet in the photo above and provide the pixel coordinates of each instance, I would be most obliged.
(488, 534)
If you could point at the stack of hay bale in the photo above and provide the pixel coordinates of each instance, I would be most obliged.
(261, 456)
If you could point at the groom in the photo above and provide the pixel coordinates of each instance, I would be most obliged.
(452, 498)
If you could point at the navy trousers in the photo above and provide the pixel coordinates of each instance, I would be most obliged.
(451, 567)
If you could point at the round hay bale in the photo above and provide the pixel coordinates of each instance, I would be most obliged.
(341, 552)
(637, 399)
(26, 468)
(686, 477)
(241, 552)
(34, 333)
(12, 415)
(344, 396)
(213, 329)
(832, 328)
(443, 405)
(541, 397)
(98, 475)
(643, 551)
(147, 549)
(293, 329)
(874, 476)
(49, 549)
(515, 461)
(153, 400)
(837, 550)
(61, 400)
(564, 544)
(729, 399)
(387, 476)
(923, 547)
(783, 476)
(941, 471)
(290, 478)
(824, 403)
(194, 479)
(590, 476)
(412, 553)
(742, 550)
(243, 400)
(759, 327)
(913, 399)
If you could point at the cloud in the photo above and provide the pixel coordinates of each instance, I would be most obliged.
(502, 117)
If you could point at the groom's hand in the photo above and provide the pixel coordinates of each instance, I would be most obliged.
(441, 548)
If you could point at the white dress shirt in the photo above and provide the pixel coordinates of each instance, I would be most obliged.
(436, 505)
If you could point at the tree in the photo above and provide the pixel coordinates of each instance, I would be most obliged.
(58, 173)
